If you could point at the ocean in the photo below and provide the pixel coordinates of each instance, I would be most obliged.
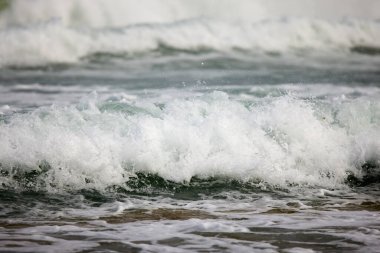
(190, 126)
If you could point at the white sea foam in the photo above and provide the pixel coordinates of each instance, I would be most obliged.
(281, 141)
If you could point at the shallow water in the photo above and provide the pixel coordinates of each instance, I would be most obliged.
(181, 220)
(190, 130)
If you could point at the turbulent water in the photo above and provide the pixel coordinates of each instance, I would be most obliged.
(198, 126)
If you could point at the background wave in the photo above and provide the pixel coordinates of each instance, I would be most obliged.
(36, 33)
(53, 43)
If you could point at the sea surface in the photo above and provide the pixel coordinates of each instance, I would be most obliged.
(190, 126)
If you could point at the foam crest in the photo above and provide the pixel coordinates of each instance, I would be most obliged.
(94, 145)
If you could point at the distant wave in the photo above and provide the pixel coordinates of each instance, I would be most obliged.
(53, 42)
(280, 141)
(43, 32)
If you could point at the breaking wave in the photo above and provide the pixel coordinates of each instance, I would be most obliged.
(282, 142)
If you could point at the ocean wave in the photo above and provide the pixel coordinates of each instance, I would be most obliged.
(283, 141)
(53, 42)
